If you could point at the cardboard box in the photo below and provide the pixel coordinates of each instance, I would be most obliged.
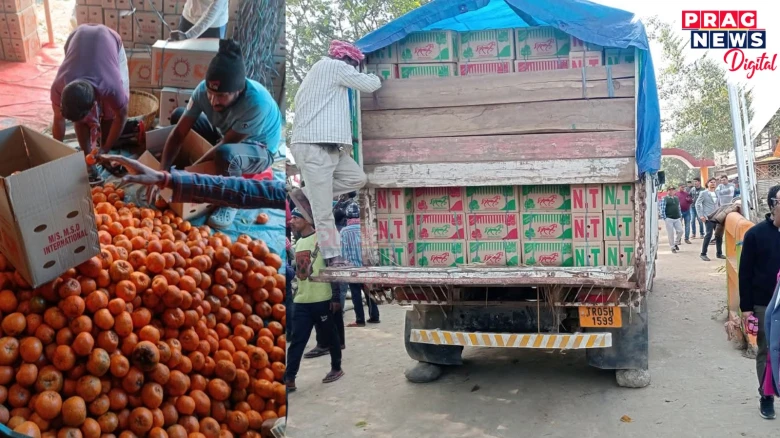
(139, 66)
(495, 198)
(185, 94)
(173, 6)
(494, 253)
(108, 4)
(193, 147)
(438, 199)
(587, 197)
(619, 225)
(82, 14)
(586, 59)
(14, 6)
(485, 68)
(619, 196)
(433, 46)
(440, 254)
(544, 64)
(22, 50)
(398, 228)
(169, 101)
(234, 9)
(413, 71)
(98, 3)
(619, 56)
(172, 23)
(126, 26)
(397, 255)
(47, 222)
(2, 52)
(21, 24)
(151, 5)
(547, 253)
(182, 64)
(619, 254)
(385, 71)
(4, 26)
(395, 201)
(124, 5)
(387, 55)
(440, 226)
(230, 32)
(148, 27)
(111, 20)
(546, 198)
(546, 226)
(577, 45)
(492, 226)
(95, 14)
(486, 45)
(588, 254)
(588, 226)
(541, 42)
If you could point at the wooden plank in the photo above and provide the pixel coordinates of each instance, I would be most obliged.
(498, 89)
(496, 173)
(464, 275)
(507, 147)
(514, 118)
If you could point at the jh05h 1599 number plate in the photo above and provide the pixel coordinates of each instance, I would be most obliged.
(603, 317)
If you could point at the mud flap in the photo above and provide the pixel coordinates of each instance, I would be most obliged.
(629, 344)
(435, 354)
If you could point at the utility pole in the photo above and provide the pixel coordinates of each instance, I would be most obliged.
(746, 186)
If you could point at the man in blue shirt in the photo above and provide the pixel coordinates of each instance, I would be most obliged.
(235, 114)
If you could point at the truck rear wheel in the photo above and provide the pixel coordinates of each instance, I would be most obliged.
(434, 354)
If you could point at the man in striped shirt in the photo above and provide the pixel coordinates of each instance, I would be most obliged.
(321, 133)
(353, 254)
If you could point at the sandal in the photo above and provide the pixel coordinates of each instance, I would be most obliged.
(332, 376)
(290, 385)
(356, 324)
(316, 352)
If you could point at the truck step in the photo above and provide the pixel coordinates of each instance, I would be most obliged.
(574, 341)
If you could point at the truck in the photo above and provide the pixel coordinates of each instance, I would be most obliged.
(511, 200)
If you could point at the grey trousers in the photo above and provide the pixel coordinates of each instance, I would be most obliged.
(760, 313)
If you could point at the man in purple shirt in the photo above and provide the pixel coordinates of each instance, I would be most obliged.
(91, 89)
(686, 201)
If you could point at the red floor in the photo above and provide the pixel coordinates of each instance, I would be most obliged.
(24, 90)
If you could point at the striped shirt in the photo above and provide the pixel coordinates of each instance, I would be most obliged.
(322, 103)
(350, 245)
(227, 191)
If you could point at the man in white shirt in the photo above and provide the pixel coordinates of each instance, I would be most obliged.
(321, 134)
(725, 191)
(202, 19)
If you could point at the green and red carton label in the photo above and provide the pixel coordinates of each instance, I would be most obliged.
(618, 225)
(588, 226)
(395, 228)
(440, 254)
(432, 199)
(587, 197)
(494, 253)
(440, 226)
(548, 254)
(619, 196)
(545, 198)
(494, 198)
(394, 201)
(435, 46)
(619, 253)
(588, 254)
(547, 226)
(492, 226)
(401, 254)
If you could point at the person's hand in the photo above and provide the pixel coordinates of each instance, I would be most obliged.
(335, 307)
(745, 316)
(177, 35)
(138, 173)
(703, 218)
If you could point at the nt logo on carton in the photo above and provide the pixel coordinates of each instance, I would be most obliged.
(588, 226)
(440, 254)
(586, 198)
(546, 226)
(546, 198)
(438, 199)
(547, 254)
(396, 255)
(589, 254)
(394, 201)
(619, 253)
(501, 198)
(395, 228)
(502, 253)
(440, 226)
(618, 196)
(618, 225)
(492, 226)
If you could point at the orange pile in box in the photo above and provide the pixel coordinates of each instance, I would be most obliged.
(169, 332)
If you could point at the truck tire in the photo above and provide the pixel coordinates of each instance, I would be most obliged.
(434, 354)
(632, 378)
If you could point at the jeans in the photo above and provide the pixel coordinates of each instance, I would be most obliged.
(686, 217)
(710, 225)
(697, 220)
(338, 317)
(289, 273)
(212, 32)
(231, 159)
(305, 317)
(357, 301)
(760, 313)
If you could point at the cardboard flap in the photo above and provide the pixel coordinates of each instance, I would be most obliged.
(13, 151)
(43, 149)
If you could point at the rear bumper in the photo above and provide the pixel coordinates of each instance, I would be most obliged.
(575, 341)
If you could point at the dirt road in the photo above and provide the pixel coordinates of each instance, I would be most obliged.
(701, 386)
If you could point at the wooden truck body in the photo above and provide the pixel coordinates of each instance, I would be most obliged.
(568, 132)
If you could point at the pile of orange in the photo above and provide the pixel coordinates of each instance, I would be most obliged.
(170, 332)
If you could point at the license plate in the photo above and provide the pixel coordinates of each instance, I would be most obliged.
(606, 317)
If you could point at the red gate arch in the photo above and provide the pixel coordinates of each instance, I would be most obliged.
(703, 164)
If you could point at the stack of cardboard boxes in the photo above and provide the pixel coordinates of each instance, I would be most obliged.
(448, 53)
(588, 225)
(19, 40)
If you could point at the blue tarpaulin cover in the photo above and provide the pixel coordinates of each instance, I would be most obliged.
(590, 22)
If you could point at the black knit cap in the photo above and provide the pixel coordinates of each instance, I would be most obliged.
(226, 72)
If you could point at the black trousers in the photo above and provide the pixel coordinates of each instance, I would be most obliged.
(710, 226)
(305, 317)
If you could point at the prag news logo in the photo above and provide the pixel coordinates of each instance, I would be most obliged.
(735, 31)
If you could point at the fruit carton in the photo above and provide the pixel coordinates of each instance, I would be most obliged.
(588, 226)
(619, 196)
(434, 46)
(485, 68)
(182, 64)
(586, 197)
(545, 198)
(585, 59)
(619, 253)
(401, 254)
(577, 45)
(23, 23)
(544, 64)
(148, 28)
(541, 42)
(441, 70)
(394, 201)
(395, 228)
(495, 198)
(47, 222)
(547, 226)
(486, 45)
(492, 226)
(139, 67)
(438, 199)
(440, 226)
(588, 254)
(440, 254)
(22, 50)
(619, 56)
(548, 253)
(494, 253)
(385, 55)
(618, 225)
(385, 71)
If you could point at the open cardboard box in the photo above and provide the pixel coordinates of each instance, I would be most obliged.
(192, 149)
(47, 221)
